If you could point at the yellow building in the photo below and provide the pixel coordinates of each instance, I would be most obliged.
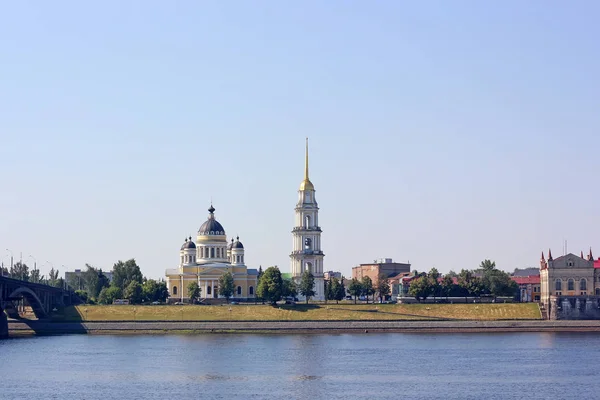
(206, 260)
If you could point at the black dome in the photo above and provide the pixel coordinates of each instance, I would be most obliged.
(237, 244)
(188, 244)
(211, 226)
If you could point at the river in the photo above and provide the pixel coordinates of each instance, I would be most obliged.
(352, 366)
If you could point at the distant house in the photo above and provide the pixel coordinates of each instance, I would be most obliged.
(529, 288)
(383, 266)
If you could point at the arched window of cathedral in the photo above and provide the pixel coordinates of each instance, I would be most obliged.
(212, 252)
(174, 290)
(583, 284)
(570, 284)
(251, 290)
(239, 290)
(307, 221)
(558, 285)
(208, 290)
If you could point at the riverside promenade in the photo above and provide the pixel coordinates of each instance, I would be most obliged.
(19, 328)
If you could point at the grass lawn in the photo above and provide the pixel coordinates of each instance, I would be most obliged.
(299, 312)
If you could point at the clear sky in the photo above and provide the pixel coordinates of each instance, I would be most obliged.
(441, 132)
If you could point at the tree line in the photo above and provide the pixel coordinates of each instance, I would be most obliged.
(21, 271)
(486, 280)
(128, 282)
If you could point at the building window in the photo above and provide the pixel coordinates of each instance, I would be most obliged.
(212, 252)
(583, 293)
(208, 290)
(307, 221)
(570, 263)
(597, 291)
(570, 284)
(583, 284)
(558, 285)
(251, 290)
(559, 293)
(239, 290)
(174, 290)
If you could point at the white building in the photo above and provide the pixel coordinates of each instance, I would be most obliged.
(307, 253)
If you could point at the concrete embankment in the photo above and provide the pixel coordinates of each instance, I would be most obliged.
(18, 328)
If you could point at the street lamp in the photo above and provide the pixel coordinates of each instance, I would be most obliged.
(11, 259)
(34, 266)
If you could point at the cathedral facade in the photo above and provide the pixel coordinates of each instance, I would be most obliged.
(206, 259)
(306, 251)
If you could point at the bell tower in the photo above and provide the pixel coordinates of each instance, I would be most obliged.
(306, 253)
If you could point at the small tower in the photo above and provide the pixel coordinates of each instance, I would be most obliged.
(590, 255)
(237, 252)
(188, 253)
(543, 264)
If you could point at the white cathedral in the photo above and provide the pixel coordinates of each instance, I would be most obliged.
(208, 257)
(307, 254)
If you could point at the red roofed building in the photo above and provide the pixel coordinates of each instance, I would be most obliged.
(529, 287)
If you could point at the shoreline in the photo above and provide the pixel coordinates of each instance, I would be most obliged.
(29, 328)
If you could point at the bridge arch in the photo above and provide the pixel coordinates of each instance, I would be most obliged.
(33, 299)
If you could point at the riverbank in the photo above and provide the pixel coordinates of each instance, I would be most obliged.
(302, 312)
(20, 328)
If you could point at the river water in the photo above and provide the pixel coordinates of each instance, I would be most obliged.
(353, 366)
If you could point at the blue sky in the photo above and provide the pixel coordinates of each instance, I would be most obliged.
(441, 132)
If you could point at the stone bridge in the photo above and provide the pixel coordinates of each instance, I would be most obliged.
(41, 298)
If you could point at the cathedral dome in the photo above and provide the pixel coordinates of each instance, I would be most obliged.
(189, 244)
(211, 226)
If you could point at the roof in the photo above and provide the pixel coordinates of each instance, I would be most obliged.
(526, 272)
(526, 280)
(454, 280)
(252, 271)
(597, 263)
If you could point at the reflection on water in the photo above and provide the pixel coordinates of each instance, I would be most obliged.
(358, 366)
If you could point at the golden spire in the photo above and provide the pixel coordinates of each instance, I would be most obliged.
(306, 183)
(306, 162)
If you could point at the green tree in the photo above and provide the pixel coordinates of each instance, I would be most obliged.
(290, 289)
(420, 288)
(82, 294)
(226, 285)
(4, 271)
(332, 289)
(20, 271)
(133, 292)
(260, 272)
(193, 291)
(307, 285)
(470, 284)
(433, 276)
(53, 278)
(109, 295)
(270, 286)
(150, 290)
(447, 285)
(487, 265)
(126, 272)
(382, 287)
(367, 287)
(340, 293)
(35, 276)
(162, 292)
(355, 288)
